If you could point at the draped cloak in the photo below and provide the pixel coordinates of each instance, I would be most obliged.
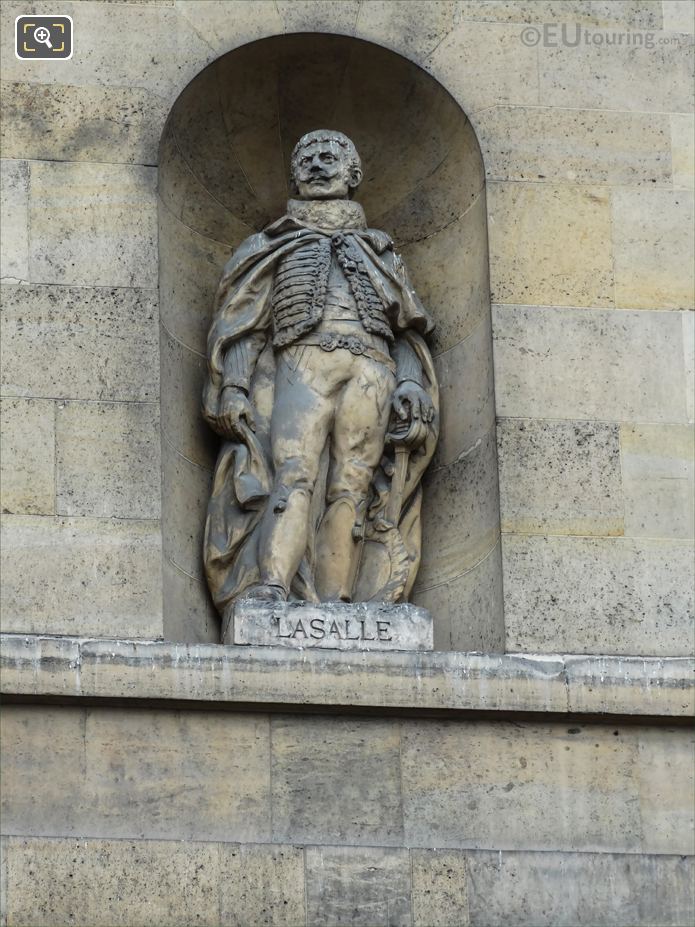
(243, 477)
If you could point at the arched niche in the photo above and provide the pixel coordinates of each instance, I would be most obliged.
(223, 174)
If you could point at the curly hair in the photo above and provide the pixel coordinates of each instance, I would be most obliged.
(325, 135)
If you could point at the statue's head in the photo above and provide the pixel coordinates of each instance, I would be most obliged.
(325, 166)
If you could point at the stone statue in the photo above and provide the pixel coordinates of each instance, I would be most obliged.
(323, 390)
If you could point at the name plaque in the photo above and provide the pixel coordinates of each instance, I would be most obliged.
(332, 626)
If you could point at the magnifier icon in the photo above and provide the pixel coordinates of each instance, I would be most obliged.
(43, 35)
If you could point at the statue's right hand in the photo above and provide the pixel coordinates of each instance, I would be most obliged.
(234, 409)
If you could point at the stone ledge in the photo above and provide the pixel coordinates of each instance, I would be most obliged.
(237, 678)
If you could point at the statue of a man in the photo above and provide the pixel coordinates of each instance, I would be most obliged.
(323, 390)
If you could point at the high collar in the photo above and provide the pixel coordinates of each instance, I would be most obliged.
(328, 215)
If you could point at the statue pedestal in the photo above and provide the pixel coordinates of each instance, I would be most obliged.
(331, 625)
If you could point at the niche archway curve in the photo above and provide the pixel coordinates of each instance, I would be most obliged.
(223, 171)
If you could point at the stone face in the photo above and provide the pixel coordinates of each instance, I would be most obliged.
(560, 477)
(550, 244)
(683, 150)
(360, 887)
(14, 203)
(618, 595)
(112, 883)
(108, 459)
(439, 888)
(188, 613)
(533, 143)
(185, 489)
(331, 625)
(261, 884)
(66, 123)
(93, 224)
(27, 466)
(97, 576)
(310, 757)
(657, 465)
(589, 364)
(678, 16)
(666, 787)
(80, 343)
(415, 28)
(496, 786)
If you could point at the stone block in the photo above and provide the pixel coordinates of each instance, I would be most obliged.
(80, 343)
(574, 146)
(27, 467)
(588, 364)
(108, 459)
(358, 887)
(637, 14)
(450, 273)
(678, 16)
(468, 609)
(185, 490)
(414, 29)
(485, 64)
(314, 801)
(59, 122)
(331, 626)
(653, 242)
(682, 150)
(460, 515)
(14, 216)
(93, 224)
(261, 884)
(43, 770)
(466, 395)
(667, 782)
(658, 472)
(3, 881)
(439, 888)
(178, 775)
(689, 363)
(560, 477)
(48, 665)
(644, 74)
(83, 576)
(567, 889)
(183, 373)
(188, 613)
(490, 786)
(112, 883)
(598, 595)
(550, 244)
(319, 15)
(253, 19)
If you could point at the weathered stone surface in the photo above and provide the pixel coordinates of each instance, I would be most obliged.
(252, 20)
(678, 16)
(688, 319)
(80, 343)
(630, 77)
(93, 224)
(48, 665)
(112, 883)
(359, 887)
(108, 459)
(637, 14)
(657, 466)
(81, 576)
(27, 466)
(485, 64)
(566, 889)
(314, 801)
(667, 783)
(550, 244)
(413, 27)
(331, 625)
(59, 122)
(439, 888)
(683, 150)
(653, 241)
(185, 490)
(491, 786)
(560, 477)
(617, 595)
(261, 884)
(589, 364)
(14, 216)
(574, 146)
(319, 15)
(188, 612)
(178, 775)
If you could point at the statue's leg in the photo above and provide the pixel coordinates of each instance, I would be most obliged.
(357, 443)
(302, 414)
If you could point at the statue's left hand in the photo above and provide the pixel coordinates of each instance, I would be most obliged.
(411, 401)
